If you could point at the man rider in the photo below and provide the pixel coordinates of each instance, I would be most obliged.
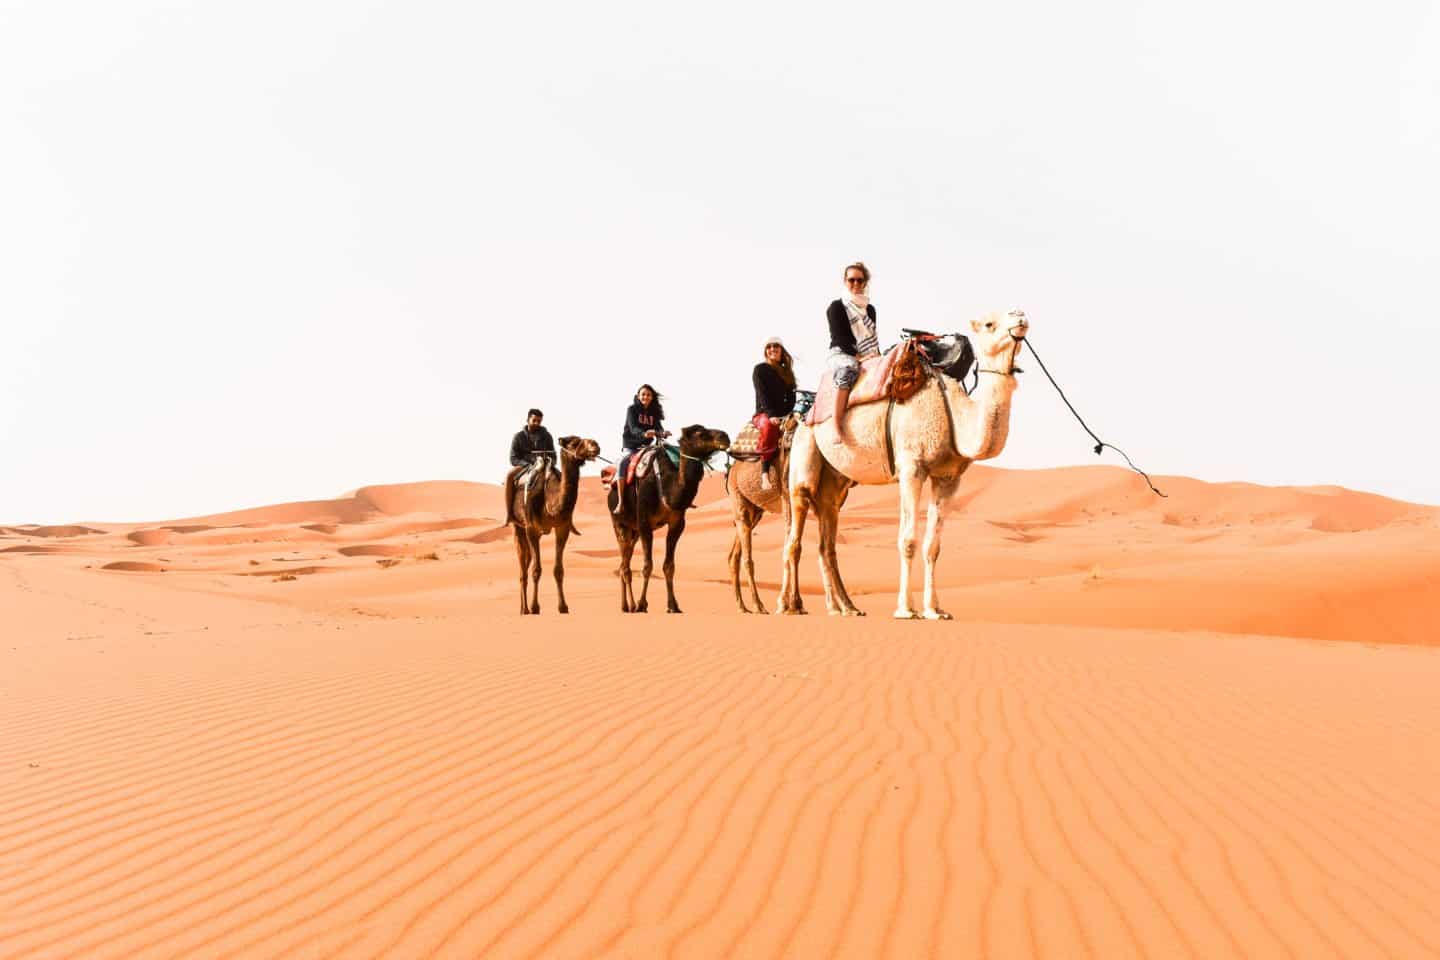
(528, 442)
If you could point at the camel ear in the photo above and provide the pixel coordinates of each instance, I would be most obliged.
(569, 441)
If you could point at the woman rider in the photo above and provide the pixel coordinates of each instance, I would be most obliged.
(774, 380)
(642, 426)
(852, 336)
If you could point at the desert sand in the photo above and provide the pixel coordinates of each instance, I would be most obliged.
(1204, 726)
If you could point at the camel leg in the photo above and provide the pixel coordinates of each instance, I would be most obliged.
(647, 544)
(534, 573)
(805, 465)
(627, 550)
(834, 489)
(828, 523)
(522, 554)
(789, 601)
(747, 549)
(911, 482)
(734, 562)
(737, 516)
(672, 540)
(562, 533)
(940, 493)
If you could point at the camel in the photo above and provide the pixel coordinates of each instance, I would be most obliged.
(550, 508)
(935, 435)
(660, 500)
(749, 502)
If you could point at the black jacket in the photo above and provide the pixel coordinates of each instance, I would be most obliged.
(841, 336)
(638, 419)
(526, 443)
(773, 396)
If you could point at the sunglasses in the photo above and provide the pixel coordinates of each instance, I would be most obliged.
(854, 279)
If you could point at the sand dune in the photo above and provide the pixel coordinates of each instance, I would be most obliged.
(1139, 738)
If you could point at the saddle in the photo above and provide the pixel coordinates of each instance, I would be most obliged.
(640, 464)
(746, 445)
(531, 483)
(877, 376)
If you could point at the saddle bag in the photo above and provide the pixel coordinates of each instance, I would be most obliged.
(950, 353)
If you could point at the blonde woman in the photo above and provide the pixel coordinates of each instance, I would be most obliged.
(852, 335)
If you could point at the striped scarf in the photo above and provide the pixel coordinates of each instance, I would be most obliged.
(867, 343)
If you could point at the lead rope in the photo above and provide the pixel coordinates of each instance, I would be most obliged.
(1099, 444)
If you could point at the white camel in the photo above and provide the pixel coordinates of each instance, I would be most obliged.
(935, 435)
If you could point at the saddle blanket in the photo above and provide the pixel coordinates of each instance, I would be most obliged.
(638, 465)
(746, 442)
(746, 445)
(874, 384)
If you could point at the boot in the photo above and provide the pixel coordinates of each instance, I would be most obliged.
(842, 401)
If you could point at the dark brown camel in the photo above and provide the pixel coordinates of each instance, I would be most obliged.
(750, 500)
(550, 508)
(660, 500)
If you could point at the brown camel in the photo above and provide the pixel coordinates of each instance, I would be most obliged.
(550, 508)
(660, 500)
(933, 436)
(750, 500)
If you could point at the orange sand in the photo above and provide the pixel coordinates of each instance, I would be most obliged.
(1195, 727)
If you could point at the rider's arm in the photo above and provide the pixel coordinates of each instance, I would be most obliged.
(634, 433)
(842, 338)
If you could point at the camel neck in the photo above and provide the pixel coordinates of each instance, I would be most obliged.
(569, 484)
(682, 483)
(982, 419)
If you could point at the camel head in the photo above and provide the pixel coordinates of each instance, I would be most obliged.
(997, 336)
(700, 442)
(580, 448)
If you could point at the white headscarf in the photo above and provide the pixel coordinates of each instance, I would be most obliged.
(856, 303)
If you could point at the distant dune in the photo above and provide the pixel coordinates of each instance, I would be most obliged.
(1199, 726)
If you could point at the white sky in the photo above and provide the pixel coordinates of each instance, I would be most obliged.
(272, 251)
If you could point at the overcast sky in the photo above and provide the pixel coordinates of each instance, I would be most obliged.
(263, 252)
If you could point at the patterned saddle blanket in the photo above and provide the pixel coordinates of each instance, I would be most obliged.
(746, 445)
(639, 465)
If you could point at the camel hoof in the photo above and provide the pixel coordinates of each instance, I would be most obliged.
(903, 614)
(937, 615)
(562, 609)
(853, 612)
(673, 610)
(760, 608)
(791, 612)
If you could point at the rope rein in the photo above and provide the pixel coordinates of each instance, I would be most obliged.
(1099, 444)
